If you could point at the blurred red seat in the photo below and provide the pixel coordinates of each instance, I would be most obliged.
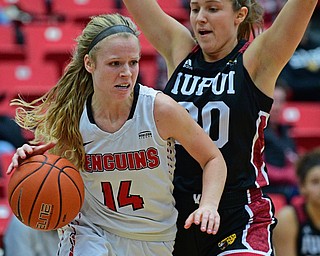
(147, 50)
(305, 120)
(298, 199)
(5, 108)
(148, 72)
(34, 7)
(278, 200)
(172, 7)
(81, 10)
(28, 80)
(175, 9)
(53, 43)
(9, 50)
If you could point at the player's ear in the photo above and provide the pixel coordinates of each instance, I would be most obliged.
(88, 63)
(241, 14)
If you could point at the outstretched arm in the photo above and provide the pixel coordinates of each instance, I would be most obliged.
(173, 121)
(170, 38)
(269, 52)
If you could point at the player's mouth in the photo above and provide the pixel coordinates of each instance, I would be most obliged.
(123, 86)
(203, 32)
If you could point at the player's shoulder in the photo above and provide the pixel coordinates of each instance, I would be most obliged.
(166, 101)
(147, 90)
(287, 214)
(161, 98)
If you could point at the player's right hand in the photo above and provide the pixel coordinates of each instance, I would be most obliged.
(27, 151)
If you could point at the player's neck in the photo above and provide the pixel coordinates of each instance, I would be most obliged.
(314, 214)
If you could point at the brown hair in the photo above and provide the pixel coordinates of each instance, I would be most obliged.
(253, 23)
(306, 162)
(56, 115)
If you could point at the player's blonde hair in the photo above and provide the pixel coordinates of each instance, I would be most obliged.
(253, 23)
(55, 116)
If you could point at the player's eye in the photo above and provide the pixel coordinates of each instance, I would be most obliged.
(134, 62)
(195, 10)
(213, 9)
(115, 63)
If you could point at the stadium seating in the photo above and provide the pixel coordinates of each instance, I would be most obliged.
(26, 79)
(172, 7)
(175, 9)
(278, 200)
(51, 43)
(297, 199)
(148, 68)
(36, 8)
(305, 120)
(148, 72)
(147, 50)
(80, 10)
(73, 10)
(9, 50)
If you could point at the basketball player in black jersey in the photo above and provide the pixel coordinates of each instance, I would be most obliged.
(226, 84)
(298, 231)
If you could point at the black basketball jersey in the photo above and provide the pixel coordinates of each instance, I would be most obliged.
(308, 243)
(223, 99)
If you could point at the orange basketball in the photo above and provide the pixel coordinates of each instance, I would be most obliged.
(46, 192)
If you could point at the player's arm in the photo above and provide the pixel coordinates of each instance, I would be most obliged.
(286, 232)
(162, 31)
(173, 121)
(269, 52)
(26, 151)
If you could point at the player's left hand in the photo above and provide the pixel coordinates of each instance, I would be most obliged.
(207, 218)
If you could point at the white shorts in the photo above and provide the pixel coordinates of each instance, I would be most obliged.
(82, 238)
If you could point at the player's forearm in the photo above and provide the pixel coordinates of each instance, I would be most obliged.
(214, 178)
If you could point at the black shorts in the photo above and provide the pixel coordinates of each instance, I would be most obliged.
(247, 221)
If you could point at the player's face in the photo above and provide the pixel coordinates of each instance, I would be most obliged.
(311, 186)
(116, 67)
(215, 25)
(279, 97)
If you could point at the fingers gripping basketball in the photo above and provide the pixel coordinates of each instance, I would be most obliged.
(46, 192)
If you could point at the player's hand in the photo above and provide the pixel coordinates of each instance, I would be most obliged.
(27, 151)
(207, 218)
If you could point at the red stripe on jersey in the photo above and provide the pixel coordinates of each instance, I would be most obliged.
(195, 48)
(258, 235)
(242, 254)
(245, 47)
(258, 147)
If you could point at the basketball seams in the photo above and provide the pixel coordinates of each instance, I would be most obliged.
(60, 198)
(72, 180)
(27, 161)
(62, 171)
(27, 176)
(39, 190)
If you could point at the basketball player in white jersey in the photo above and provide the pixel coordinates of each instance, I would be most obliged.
(121, 135)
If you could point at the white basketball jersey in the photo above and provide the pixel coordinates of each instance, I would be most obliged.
(128, 175)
